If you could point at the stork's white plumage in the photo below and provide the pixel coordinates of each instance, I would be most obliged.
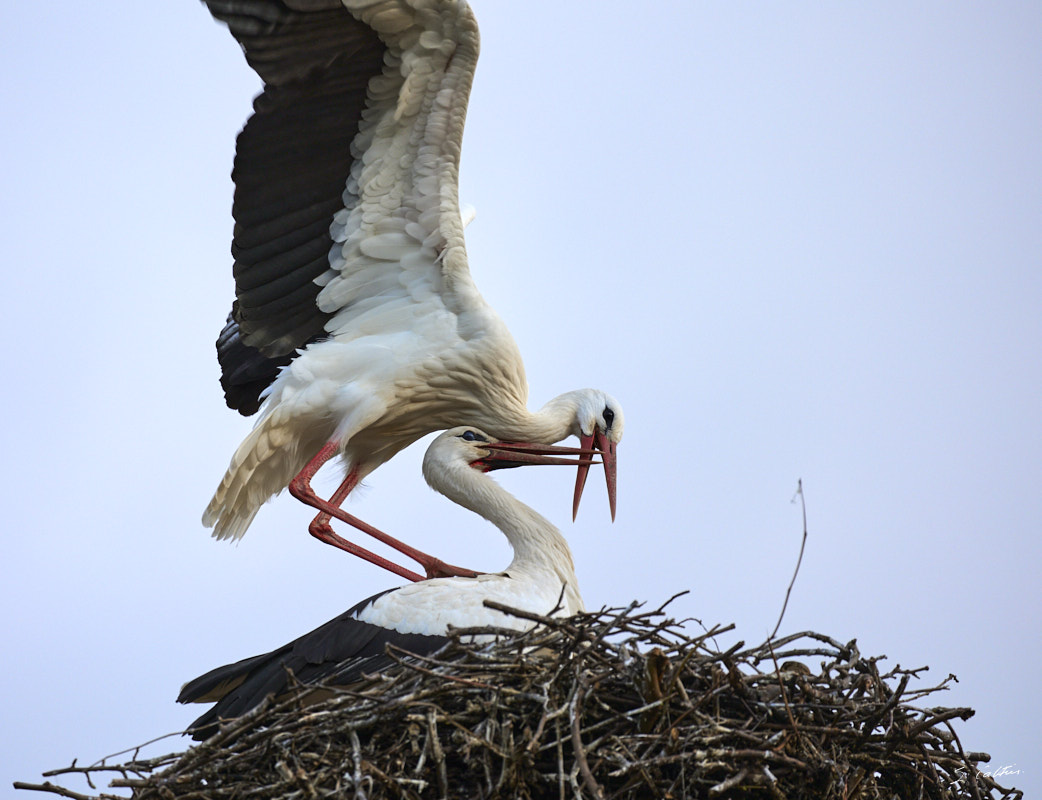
(540, 578)
(357, 328)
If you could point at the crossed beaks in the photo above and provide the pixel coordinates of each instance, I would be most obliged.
(504, 455)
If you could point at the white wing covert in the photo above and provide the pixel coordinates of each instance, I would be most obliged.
(398, 241)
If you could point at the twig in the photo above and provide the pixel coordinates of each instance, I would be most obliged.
(799, 560)
(784, 694)
(52, 788)
(577, 744)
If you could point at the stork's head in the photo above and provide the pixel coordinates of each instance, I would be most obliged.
(598, 412)
(597, 419)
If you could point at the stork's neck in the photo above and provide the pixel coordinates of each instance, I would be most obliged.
(539, 548)
(553, 422)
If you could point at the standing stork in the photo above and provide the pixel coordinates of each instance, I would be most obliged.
(416, 617)
(356, 327)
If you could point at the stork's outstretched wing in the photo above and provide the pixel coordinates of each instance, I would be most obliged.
(346, 205)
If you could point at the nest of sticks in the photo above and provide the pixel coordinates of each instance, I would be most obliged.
(623, 703)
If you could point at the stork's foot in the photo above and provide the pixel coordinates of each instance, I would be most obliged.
(436, 568)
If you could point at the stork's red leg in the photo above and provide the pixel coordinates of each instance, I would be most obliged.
(321, 530)
(300, 487)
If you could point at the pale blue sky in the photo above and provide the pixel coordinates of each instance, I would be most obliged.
(794, 241)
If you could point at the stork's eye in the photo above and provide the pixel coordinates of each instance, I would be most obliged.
(471, 436)
(609, 417)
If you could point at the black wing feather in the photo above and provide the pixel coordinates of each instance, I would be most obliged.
(340, 651)
(292, 162)
(245, 371)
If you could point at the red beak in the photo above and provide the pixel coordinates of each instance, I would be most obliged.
(606, 448)
(504, 455)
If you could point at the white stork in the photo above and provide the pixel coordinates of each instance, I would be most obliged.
(356, 327)
(416, 617)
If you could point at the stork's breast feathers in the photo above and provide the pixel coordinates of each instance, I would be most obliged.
(430, 607)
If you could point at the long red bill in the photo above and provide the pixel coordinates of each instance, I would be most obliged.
(606, 449)
(504, 455)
